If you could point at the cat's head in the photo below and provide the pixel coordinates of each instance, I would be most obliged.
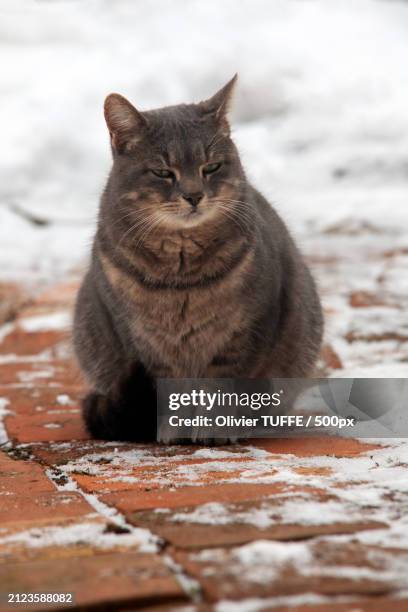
(176, 165)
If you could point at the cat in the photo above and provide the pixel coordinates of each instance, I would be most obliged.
(193, 274)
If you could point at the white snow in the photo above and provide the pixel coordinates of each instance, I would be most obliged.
(260, 561)
(256, 604)
(46, 322)
(11, 358)
(266, 468)
(263, 561)
(87, 532)
(276, 512)
(143, 538)
(367, 487)
(4, 402)
(320, 110)
(5, 330)
(27, 377)
(64, 400)
(265, 552)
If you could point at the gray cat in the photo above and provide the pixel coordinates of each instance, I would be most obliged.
(193, 274)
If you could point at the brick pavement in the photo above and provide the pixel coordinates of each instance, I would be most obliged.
(305, 525)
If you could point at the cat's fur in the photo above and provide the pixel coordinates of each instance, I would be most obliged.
(179, 289)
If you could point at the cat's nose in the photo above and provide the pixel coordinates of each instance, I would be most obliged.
(193, 198)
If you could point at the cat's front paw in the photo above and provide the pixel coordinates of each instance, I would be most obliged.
(214, 441)
(117, 419)
(211, 442)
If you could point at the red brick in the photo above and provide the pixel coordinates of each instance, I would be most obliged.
(63, 294)
(310, 447)
(14, 549)
(108, 579)
(59, 454)
(170, 455)
(149, 477)
(158, 469)
(62, 373)
(131, 501)
(19, 342)
(361, 336)
(372, 604)
(18, 477)
(194, 535)
(40, 399)
(223, 576)
(46, 427)
(313, 471)
(330, 358)
(367, 299)
(37, 415)
(42, 507)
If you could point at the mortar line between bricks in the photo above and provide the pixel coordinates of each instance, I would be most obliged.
(107, 512)
(102, 509)
(190, 586)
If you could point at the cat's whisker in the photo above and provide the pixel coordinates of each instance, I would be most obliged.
(148, 223)
(229, 214)
(242, 212)
(235, 201)
(155, 223)
(136, 226)
(139, 212)
(247, 220)
(239, 205)
(236, 222)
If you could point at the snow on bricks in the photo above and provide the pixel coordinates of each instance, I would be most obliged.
(290, 523)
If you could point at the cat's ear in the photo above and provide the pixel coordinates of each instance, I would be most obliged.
(123, 120)
(219, 104)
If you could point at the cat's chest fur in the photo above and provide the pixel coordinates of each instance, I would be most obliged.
(181, 334)
(180, 331)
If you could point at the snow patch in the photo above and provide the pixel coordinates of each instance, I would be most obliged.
(5, 330)
(256, 604)
(298, 511)
(4, 402)
(64, 400)
(87, 532)
(146, 541)
(54, 321)
(27, 377)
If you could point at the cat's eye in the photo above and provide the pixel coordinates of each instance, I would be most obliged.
(163, 173)
(210, 168)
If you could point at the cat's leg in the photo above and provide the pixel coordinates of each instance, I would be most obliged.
(122, 404)
(128, 412)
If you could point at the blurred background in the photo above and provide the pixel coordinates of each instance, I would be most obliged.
(320, 116)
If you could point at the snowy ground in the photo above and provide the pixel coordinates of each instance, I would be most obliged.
(320, 113)
(320, 118)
